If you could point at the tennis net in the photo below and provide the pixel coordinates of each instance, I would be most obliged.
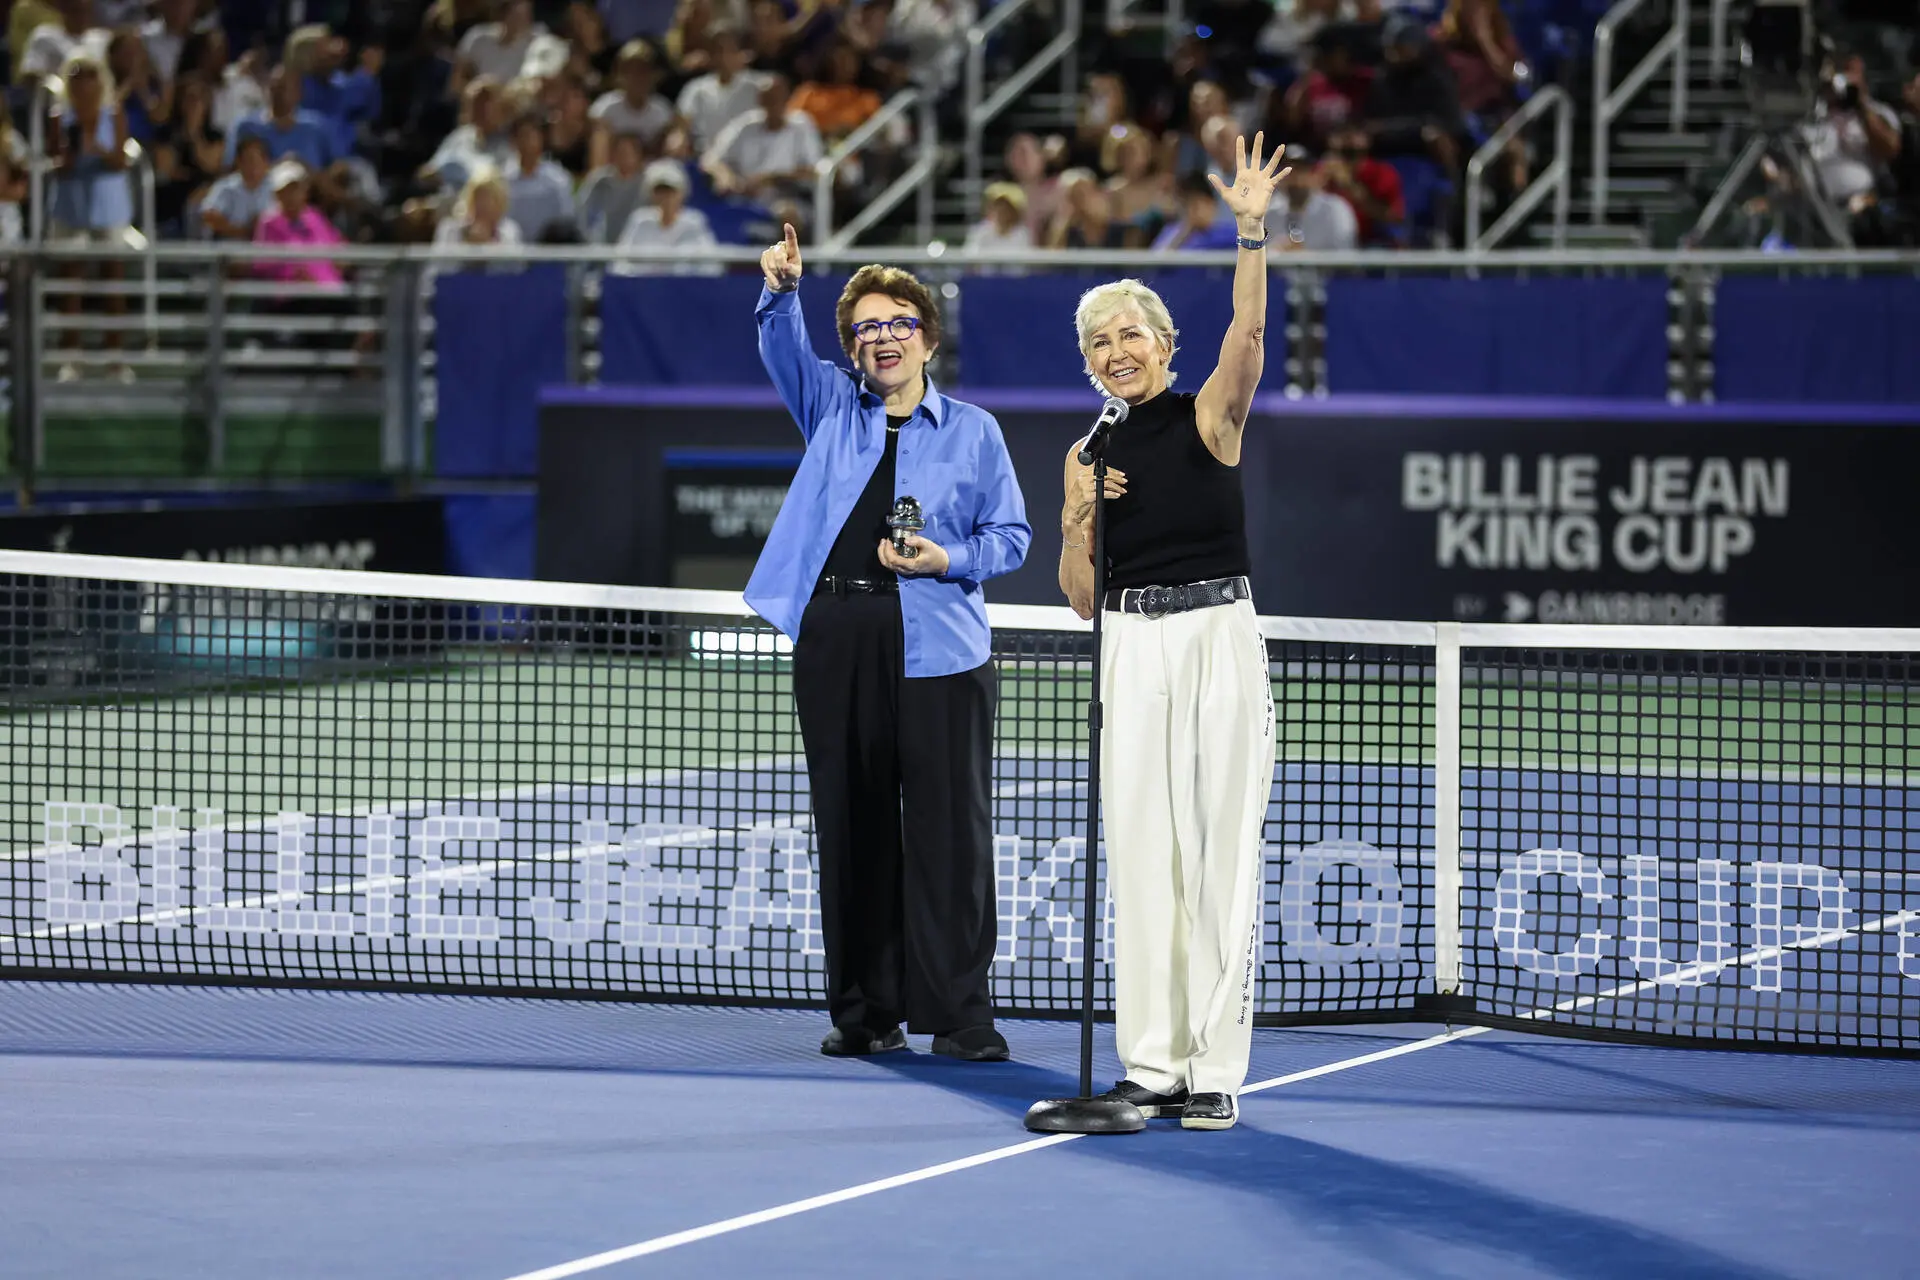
(247, 774)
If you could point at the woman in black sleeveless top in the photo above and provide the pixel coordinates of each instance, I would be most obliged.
(1187, 743)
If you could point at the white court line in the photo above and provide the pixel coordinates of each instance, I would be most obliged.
(660, 1244)
(726, 1226)
(1702, 969)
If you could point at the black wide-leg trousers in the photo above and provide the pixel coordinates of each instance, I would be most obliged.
(901, 774)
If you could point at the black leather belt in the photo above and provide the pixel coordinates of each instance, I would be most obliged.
(844, 587)
(1157, 602)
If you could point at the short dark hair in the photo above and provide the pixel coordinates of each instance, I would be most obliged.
(533, 118)
(251, 140)
(892, 282)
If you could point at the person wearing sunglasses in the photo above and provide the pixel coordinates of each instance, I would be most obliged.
(892, 675)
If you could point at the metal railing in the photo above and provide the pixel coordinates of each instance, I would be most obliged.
(1556, 178)
(1611, 101)
(1729, 189)
(917, 178)
(1171, 22)
(232, 349)
(1718, 13)
(982, 108)
(1807, 196)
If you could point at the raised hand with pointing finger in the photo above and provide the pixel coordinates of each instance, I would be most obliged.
(781, 263)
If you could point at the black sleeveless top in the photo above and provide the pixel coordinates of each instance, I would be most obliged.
(856, 552)
(1183, 518)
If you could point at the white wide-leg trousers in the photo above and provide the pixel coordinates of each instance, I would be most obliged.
(1186, 775)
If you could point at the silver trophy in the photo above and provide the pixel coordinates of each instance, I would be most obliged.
(907, 519)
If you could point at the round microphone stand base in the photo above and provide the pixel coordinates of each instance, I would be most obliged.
(1085, 1115)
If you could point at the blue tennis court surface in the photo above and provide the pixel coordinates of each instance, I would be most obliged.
(162, 1132)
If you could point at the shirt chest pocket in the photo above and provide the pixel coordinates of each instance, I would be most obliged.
(946, 494)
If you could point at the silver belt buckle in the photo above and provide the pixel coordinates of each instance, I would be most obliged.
(1155, 601)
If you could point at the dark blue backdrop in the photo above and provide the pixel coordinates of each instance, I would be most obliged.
(502, 337)
(692, 331)
(1547, 336)
(1806, 339)
(1017, 331)
(497, 340)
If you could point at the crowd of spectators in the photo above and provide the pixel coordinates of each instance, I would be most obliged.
(1379, 107)
(648, 124)
(644, 122)
(682, 123)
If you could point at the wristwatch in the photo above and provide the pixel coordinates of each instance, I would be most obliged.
(1248, 242)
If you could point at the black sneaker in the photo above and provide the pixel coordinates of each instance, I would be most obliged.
(1209, 1111)
(973, 1044)
(858, 1042)
(1154, 1106)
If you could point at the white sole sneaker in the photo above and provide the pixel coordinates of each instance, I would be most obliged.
(1212, 1122)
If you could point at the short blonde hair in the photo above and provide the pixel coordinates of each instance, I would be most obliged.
(1008, 191)
(485, 178)
(86, 64)
(301, 45)
(1100, 304)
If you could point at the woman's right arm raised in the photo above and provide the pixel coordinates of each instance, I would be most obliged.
(804, 381)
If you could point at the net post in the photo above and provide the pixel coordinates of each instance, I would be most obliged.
(1446, 808)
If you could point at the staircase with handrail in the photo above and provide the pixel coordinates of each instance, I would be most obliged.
(1655, 118)
(985, 106)
(1658, 121)
(999, 96)
(916, 181)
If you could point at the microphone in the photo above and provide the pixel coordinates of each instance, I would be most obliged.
(1113, 412)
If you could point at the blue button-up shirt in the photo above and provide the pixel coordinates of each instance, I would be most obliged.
(952, 458)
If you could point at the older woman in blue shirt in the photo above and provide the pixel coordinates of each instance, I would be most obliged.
(891, 670)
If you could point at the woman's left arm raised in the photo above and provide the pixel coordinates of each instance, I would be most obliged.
(1227, 396)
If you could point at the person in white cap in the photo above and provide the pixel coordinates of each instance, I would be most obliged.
(666, 222)
(296, 221)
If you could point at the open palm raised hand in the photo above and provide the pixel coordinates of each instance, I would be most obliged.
(1254, 182)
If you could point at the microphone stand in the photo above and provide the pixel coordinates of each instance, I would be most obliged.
(1087, 1113)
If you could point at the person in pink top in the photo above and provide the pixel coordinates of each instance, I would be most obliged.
(295, 221)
